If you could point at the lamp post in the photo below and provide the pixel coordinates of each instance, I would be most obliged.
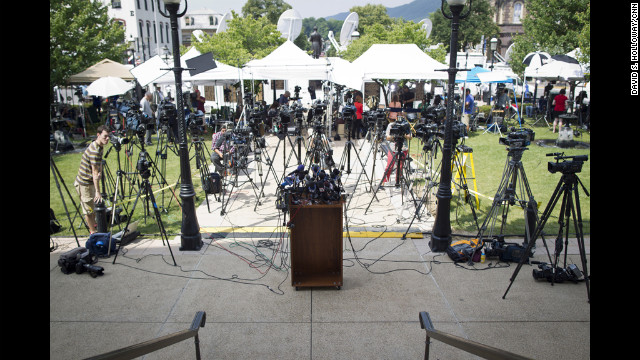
(190, 234)
(441, 234)
(493, 45)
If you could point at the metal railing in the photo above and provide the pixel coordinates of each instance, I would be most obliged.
(134, 351)
(469, 346)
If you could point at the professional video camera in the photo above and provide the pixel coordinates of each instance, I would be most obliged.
(518, 138)
(427, 130)
(400, 128)
(507, 252)
(318, 107)
(571, 273)
(167, 113)
(117, 141)
(286, 114)
(79, 260)
(434, 113)
(195, 122)
(143, 165)
(375, 117)
(572, 166)
(296, 93)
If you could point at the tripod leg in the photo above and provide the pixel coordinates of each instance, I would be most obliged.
(580, 238)
(163, 232)
(126, 227)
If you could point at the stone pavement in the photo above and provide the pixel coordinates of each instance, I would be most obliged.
(241, 279)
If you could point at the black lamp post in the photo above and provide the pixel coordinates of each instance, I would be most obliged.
(190, 238)
(441, 234)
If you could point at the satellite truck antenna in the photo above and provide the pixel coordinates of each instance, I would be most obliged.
(427, 25)
(222, 26)
(348, 27)
(290, 24)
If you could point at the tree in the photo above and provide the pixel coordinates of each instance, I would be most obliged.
(246, 38)
(556, 27)
(478, 23)
(80, 35)
(370, 15)
(271, 9)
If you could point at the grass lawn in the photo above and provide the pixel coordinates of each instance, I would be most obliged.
(489, 159)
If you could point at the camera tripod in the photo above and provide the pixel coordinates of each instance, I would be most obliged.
(165, 132)
(260, 143)
(402, 172)
(319, 150)
(202, 165)
(348, 146)
(142, 166)
(56, 176)
(567, 188)
(375, 135)
(514, 188)
(299, 142)
(239, 162)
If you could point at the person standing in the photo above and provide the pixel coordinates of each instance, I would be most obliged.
(559, 107)
(316, 42)
(357, 124)
(284, 98)
(145, 106)
(200, 101)
(468, 108)
(87, 182)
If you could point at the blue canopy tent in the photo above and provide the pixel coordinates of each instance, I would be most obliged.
(472, 75)
(501, 77)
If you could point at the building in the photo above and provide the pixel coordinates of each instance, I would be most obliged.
(508, 15)
(147, 32)
(204, 20)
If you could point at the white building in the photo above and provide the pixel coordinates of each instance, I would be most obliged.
(146, 31)
(204, 20)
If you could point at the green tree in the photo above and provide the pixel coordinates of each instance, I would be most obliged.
(556, 27)
(271, 9)
(478, 23)
(371, 15)
(80, 35)
(246, 38)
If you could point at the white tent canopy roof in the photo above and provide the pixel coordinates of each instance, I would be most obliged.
(398, 61)
(288, 61)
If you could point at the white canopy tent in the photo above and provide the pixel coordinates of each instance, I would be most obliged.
(286, 62)
(398, 61)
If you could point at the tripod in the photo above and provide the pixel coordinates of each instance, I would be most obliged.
(346, 153)
(567, 188)
(299, 142)
(56, 176)
(375, 133)
(514, 188)
(239, 162)
(202, 165)
(165, 134)
(142, 166)
(402, 171)
(258, 159)
(319, 151)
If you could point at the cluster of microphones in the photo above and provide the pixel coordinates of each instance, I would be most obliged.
(313, 186)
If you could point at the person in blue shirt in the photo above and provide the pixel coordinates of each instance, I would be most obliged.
(468, 108)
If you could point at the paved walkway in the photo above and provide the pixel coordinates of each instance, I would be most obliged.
(241, 279)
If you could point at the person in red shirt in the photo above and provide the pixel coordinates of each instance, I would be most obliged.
(559, 107)
(357, 124)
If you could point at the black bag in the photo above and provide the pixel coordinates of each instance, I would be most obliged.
(214, 184)
(98, 244)
(464, 250)
(54, 225)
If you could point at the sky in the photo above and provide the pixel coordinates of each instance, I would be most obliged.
(306, 8)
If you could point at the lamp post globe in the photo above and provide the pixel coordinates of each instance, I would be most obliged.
(441, 234)
(190, 239)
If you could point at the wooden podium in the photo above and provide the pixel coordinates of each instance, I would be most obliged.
(316, 245)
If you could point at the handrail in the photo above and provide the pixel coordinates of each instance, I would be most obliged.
(485, 351)
(134, 351)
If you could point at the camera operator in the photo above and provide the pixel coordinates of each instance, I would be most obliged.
(357, 124)
(219, 146)
(391, 153)
(407, 97)
(284, 98)
(145, 106)
(87, 182)
(468, 108)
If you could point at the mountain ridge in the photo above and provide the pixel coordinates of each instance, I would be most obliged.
(413, 11)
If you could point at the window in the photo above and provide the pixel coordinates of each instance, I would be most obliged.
(116, 4)
(166, 27)
(209, 93)
(517, 13)
(161, 37)
(138, 2)
(145, 5)
(155, 38)
(211, 20)
(187, 21)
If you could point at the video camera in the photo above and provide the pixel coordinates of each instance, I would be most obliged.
(195, 122)
(318, 107)
(427, 130)
(507, 252)
(566, 167)
(296, 92)
(571, 273)
(434, 113)
(400, 128)
(518, 138)
(79, 260)
(167, 113)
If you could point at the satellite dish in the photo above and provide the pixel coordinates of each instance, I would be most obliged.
(222, 26)
(348, 27)
(426, 25)
(199, 34)
(507, 54)
(290, 24)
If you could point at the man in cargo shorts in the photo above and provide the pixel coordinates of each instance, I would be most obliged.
(87, 181)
